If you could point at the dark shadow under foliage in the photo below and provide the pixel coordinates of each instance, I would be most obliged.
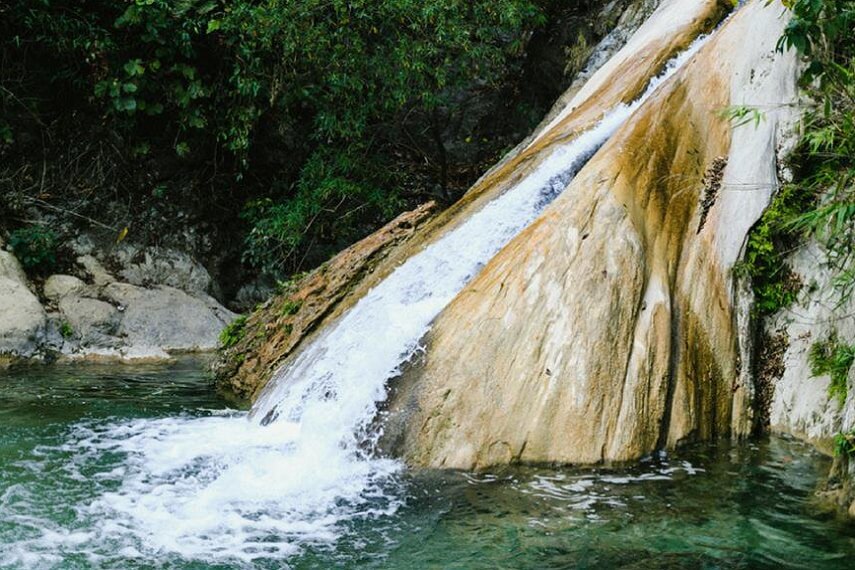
(280, 130)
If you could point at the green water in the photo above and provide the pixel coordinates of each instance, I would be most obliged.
(710, 506)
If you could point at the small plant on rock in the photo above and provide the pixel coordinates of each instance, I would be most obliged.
(65, 330)
(233, 333)
(844, 444)
(834, 359)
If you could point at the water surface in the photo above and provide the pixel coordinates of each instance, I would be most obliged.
(125, 467)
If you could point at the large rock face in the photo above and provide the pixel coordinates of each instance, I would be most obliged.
(609, 327)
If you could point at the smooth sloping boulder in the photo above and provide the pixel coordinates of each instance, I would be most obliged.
(608, 328)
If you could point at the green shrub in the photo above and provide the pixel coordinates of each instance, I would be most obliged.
(834, 359)
(233, 333)
(844, 444)
(65, 330)
(290, 308)
(35, 247)
(771, 239)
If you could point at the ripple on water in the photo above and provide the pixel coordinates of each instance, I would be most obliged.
(185, 483)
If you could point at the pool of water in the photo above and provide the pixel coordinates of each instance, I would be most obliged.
(95, 472)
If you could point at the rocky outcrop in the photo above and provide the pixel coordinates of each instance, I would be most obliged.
(608, 328)
(94, 315)
(801, 404)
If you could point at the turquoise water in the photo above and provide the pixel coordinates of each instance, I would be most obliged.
(78, 443)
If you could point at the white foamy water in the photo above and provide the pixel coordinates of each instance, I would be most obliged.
(220, 487)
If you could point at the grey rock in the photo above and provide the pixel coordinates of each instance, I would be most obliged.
(167, 317)
(59, 286)
(159, 266)
(92, 322)
(22, 318)
(100, 276)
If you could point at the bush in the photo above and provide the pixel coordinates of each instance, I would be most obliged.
(821, 30)
(834, 359)
(35, 247)
(771, 239)
(844, 444)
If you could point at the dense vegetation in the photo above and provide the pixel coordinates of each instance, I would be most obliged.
(820, 201)
(304, 123)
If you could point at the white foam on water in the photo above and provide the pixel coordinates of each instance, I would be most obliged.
(219, 487)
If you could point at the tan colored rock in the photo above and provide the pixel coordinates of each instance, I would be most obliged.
(608, 327)
(273, 333)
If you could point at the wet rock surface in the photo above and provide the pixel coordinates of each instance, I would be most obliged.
(273, 333)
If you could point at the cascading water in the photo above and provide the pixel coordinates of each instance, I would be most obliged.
(223, 488)
(333, 386)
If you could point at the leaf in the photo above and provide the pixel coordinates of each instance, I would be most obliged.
(134, 67)
(122, 234)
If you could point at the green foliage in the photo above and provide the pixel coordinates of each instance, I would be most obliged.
(831, 357)
(844, 444)
(341, 86)
(740, 115)
(820, 30)
(233, 333)
(35, 247)
(334, 187)
(290, 308)
(775, 286)
(65, 330)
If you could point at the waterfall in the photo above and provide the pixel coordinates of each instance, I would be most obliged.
(331, 390)
(219, 487)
